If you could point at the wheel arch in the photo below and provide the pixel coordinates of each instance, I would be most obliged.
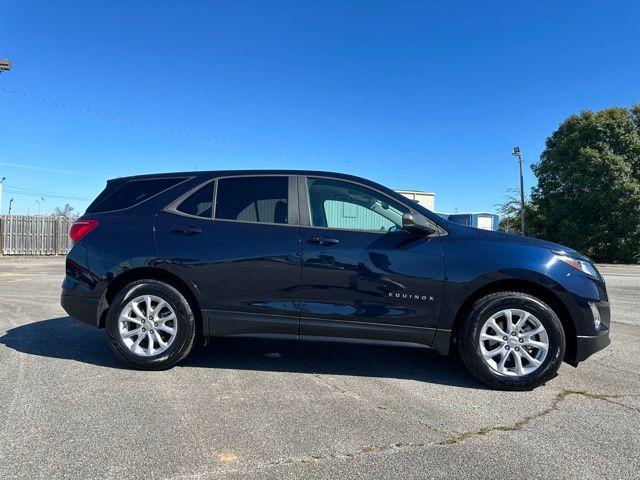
(545, 294)
(151, 273)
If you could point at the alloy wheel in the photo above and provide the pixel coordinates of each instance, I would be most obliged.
(147, 325)
(513, 342)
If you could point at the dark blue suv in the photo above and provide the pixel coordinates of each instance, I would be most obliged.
(161, 260)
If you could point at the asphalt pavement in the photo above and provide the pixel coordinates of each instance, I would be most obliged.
(267, 409)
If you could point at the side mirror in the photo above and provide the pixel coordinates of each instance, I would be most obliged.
(416, 223)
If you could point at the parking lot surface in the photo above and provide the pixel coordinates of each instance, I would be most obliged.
(266, 409)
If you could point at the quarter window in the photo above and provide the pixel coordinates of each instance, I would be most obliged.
(117, 195)
(199, 203)
(346, 205)
(253, 199)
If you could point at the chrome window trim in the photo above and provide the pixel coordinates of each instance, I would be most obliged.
(173, 206)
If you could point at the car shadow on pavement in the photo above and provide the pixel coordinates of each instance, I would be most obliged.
(63, 338)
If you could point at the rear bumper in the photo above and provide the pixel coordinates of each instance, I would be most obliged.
(82, 309)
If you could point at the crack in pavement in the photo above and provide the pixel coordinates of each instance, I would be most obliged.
(559, 398)
(562, 395)
(309, 459)
(398, 446)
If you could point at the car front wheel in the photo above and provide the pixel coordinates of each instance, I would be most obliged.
(512, 341)
(150, 325)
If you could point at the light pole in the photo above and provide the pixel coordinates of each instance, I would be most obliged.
(516, 152)
(10, 202)
(1, 182)
(5, 66)
(40, 205)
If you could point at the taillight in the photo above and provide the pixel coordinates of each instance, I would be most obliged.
(80, 228)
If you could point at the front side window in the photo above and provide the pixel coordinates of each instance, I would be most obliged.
(199, 203)
(346, 205)
(253, 199)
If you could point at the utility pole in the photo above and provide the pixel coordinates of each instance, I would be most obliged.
(1, 182)
(517, 153)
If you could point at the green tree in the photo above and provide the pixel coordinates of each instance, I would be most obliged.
(589, 184)
(510, 214)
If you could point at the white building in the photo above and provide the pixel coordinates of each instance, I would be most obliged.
(482, 220)
(426, 199)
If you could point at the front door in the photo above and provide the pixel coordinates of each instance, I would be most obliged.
(241, 252)
(362, 275)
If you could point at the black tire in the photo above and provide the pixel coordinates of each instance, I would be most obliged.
(469, 340)
(186, 326)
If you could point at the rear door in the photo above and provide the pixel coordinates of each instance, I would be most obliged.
(237, 240)
(362, 275)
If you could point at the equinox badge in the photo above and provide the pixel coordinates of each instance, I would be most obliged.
(411, 296)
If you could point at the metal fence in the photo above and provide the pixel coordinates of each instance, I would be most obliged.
(34, 235)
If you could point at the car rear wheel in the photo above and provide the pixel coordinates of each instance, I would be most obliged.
(512, 341)
(150, 325)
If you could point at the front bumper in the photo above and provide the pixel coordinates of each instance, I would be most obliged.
(588, 345)
(591, 315)
(590, 340)
(82, 309)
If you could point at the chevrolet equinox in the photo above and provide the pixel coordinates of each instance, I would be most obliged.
(161, 260)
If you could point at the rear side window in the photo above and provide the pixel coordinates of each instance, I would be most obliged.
(131, 193)
(199, 203)
(253, 199)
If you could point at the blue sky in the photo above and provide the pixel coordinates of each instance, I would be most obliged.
(416, 95)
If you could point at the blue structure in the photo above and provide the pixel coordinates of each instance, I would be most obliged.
(483, 220)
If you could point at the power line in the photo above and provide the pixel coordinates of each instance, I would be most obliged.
(171, 131)
(46, 195)
(35, 193)
(49, 169)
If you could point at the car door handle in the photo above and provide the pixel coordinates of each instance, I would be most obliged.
(189, 230)
(324, 241)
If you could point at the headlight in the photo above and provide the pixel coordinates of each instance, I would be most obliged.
(581, 265)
